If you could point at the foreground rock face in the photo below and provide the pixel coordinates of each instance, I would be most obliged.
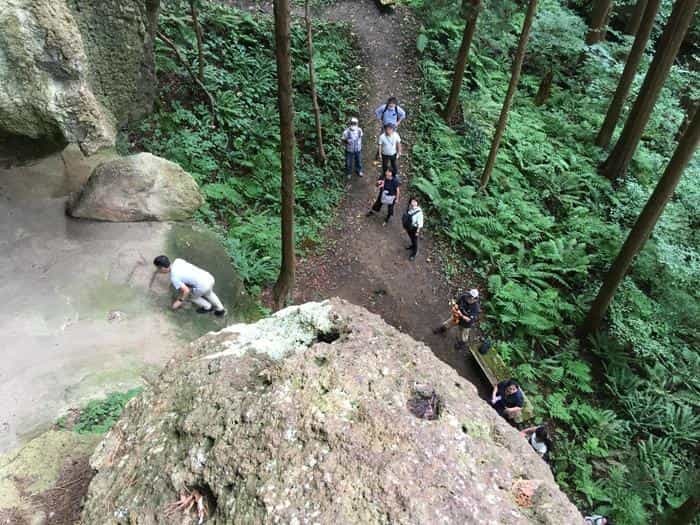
(139, 187)
(71, 71)
(309, 417)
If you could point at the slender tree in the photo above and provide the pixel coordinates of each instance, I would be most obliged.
(645, 224)
(285, 282)
(599, 21)
(635, 18)
(666, 50)
(200, 39)
(320, 150)
(470, 12)
(633, 60)
(512, 88)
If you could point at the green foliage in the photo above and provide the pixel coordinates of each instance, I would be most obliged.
(237, 162)
(545, 230)
(98, 416)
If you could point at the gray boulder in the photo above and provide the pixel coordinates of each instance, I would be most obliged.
(139, 187)
(322, 414)
(72, 71)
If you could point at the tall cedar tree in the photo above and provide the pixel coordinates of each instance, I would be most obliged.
(645, 224)
(200, 39)
(285, 282)
(635, 18)
(599, 21)
(470, 13)
(512, 88)
(666, 50)
(633, 60)
(320, 150)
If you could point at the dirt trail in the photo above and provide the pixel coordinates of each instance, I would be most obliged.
(364, 261)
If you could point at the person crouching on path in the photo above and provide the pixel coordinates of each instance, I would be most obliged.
(388, 194)
(413, 224)
(465, 314)
(191, 282)
(508, 399)
(352, 138)
(390, 149)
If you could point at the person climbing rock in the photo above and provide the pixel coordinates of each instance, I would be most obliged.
(191, 282)
(465, 314)
(352, 138)
(538, 437)
(413, 224)
(390, 148)
(507, 399)
(389, 192)
(390, 113)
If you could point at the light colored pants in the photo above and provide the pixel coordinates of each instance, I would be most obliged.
(463, 331)
(206, 299)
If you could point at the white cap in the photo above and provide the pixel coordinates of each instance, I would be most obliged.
(474, 293)
(354, 120)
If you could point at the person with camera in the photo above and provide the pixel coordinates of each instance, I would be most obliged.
(465, 314)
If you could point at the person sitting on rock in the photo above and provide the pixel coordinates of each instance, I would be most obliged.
(597, 520)
(465, 314)
(538, 438)
(191, 282)
(508, 399)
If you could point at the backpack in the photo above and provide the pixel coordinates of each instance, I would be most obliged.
(407, 221)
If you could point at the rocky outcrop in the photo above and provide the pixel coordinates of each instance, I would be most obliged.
(321, 413)
(72, 71)
(139, 187)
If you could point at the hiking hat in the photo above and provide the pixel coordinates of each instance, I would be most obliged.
(354, 120)
(474, 293)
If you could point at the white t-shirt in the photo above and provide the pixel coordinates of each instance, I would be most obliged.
(389, 143)
(182, 272)
(539, 446)
(416, 217)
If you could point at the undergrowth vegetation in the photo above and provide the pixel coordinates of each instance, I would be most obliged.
(626, 415)
(236, 162)
(98, 415)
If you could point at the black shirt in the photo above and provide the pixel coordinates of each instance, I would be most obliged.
(470, 309)
(390, 186)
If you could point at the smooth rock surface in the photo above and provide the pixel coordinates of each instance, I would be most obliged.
(139, 187)
(73, 71)
(304, 417)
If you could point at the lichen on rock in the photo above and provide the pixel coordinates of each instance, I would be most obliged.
(305, 417)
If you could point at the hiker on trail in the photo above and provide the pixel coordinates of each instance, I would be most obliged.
(191, 282)
(413, 223)
(390, 148)
(507, 399)
(538, 438)
(597, 520)
(390, 113)
(465, 314)
(352, 138)
(388, 194)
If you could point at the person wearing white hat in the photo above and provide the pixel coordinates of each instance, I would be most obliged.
(465, 314)
(352, 138)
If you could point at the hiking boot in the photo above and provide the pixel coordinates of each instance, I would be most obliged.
(361, 174)
(369, 213)
(440, 329)
(201, 310)
(412, 258)
(220, 313)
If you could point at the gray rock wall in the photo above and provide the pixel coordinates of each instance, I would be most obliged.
(72, 70)
(309, 416)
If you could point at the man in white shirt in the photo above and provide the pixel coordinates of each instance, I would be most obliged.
(390, 148)
(413, 224)
(193, 282)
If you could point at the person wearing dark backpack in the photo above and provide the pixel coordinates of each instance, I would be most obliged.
(389, 113)
(413, 223)
(388, 194)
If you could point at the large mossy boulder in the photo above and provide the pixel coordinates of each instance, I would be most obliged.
(72, 71)
(139, 187)
(323, 414)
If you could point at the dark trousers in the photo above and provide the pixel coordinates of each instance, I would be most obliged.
(378, 206)
(413, 235)
(350, 158)
(389, 159)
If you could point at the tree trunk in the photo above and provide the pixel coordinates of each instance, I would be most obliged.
(635, 18)
(666, 51)
(200, 40)
(599, 21)
(633, 60)
(512, 87)
(321, 152)
(692, 109)
(643, 227)
(545, 88)
(472, 13)
(686, 513)
(285, 282)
